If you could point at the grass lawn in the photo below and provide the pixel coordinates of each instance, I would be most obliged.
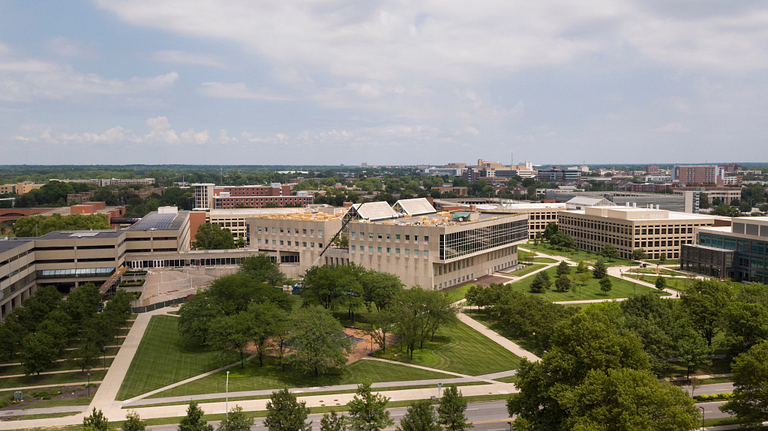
(57, 366)
(719, 366)
(591, 290)
(576, 256)
(51, 379)
(528, 345)
(161, 359)
(544, 260)
(253, 377)
(527, 270)
(459, 349)
(666, 262)
(457, 293)
(663, 271)
(508, 379)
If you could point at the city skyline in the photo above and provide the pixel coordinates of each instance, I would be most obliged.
(206, 82)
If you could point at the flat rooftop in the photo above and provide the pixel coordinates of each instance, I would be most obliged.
(249, 212)
(631, 213)
(10, 244)
(74, 234)
(157, 221)
(439, 219)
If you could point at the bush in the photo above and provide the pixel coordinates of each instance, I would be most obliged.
(42, 395)
(3, 404)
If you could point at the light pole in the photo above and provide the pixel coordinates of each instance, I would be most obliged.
(226, 406)
(510, 425)
(702, 417)
(89, 385)
(104, 349)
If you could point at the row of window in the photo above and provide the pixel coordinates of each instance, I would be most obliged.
(288, 230)
(407, 251)
(455, 281)
(291, 243)
(371, 235)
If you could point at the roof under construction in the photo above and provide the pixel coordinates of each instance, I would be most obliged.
(372, 211)
(414, 207)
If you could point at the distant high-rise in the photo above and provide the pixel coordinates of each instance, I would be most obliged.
(698, 174)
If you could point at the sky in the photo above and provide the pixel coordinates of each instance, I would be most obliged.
(329, 82)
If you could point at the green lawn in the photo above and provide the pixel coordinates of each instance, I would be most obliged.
(576, 256)
(51, 379)
(591, 290)
(161, 360)
(57, 366)
(253, 377)
(528, 345)
(527, 270)
(719, 366)
(545, 260)
(457, 293)
(459, 349)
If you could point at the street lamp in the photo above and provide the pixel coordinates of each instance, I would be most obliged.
(510, 425)
(226, 406)
(702, 417)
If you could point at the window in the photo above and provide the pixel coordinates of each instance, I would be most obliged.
(303, 244)
(397, 236)
(389, 250)
(415, 237)
(289, 243)
(274, 242)
(259, 241)
(426, 238)
(281, 230)
(311, 231)
(397, 251)
(379, 250)
(354, 234)
(389, 236)
(379, 236)
(304, 231)
(353, 248)
(311, 244)
(407, 251)
(274, 230)
(259, 228)
(320, 232)
(426, 252)
(370, 235)
(281, 242)
(370, 249)
(407, 237)
(416, 252)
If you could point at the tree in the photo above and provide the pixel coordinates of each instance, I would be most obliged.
(550, 230)
(211, 236)
(39, 352)
(380, 288)
(193, 421)
(267, 324)
(236, 420)
(703, 200)
(317, 340)
(661, 283)
(599, 270)
(264, 269)
(286, 413)
(233, 333)
(745, 207)
(705, 301)
(745, 326)
(725, 210)
(96, 421)
(342, 241)
(693, 351)
(420, 416)
(609, 252)
(451, 410)
(662, 257)
(582, 268)
(379, 325)
(563, 268)
(750, 386)
(638, 254)
(626, 399)
(606, 285)
(133, 422)
(563, 283)
(329, 285)
(367, 412)
(333, 422)
(539, 283)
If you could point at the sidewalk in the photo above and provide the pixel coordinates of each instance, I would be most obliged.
(498, 339)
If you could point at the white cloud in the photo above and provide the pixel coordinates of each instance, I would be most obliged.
(236, 90)
(183, 57)
(672, 128)
(467, 130)
(66, 48)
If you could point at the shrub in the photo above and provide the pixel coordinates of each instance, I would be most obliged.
(704, 397)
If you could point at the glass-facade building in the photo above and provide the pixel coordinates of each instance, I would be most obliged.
(739, 252)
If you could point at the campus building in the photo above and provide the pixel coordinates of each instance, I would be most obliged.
(627, 228)
(738, 251)
(698, 174)
(208, 196)
(19, 188)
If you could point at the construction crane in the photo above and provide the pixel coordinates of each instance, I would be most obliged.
(343, 226)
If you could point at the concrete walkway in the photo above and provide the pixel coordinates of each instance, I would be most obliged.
(421, 367)
(498, 339)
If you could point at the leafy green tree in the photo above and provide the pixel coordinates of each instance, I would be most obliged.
(12, 334)
(587, 341)
(750, 381)
(321, 284)
(83, 303)
(41, 225)
(194, 421)
(367, 412)
(264, 269)
(663, 257)
(195, 317)
(133, 422)
(286, 413)
(233, 333)
(317, 340)
(704, 302)
(626, 399)
(96, 421)
(661, 283)
(420, 416)
(563, 268)
(379, 325)
(745, 326)
(703, 200)
(609, 252)
(599, 270)
(550, 230)
(538, 284)
(652, 320)
(638, 254)
(236, 420)
(693, 351)
(211, 236)
(451, 411)
(606, 285)
(39, 352)
(380, 288)
(563, 283)
(267, 324)
(582, 268)
(745, 207)
(332, 421)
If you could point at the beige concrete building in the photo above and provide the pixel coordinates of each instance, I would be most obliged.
(539, 214)
(626, 228)
(19, 189)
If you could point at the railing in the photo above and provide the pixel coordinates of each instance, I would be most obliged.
(113, 279)
(155, 306)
